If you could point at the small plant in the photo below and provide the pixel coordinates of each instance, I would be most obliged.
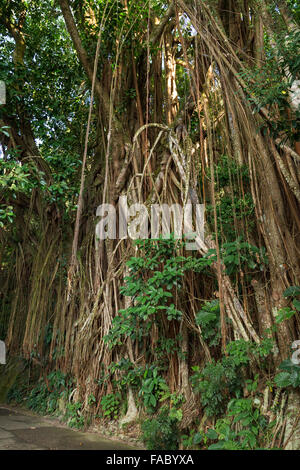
(209, 320)
(44, 397)
(152, 385)
(243, 428)
(219, 381)
(161, 432)
(154, 279)
(193, 440)
(74, 416)
(6, 215)
(215, 384)
(17, 393)
(286, 313)
(131, 375)
(91, 399)
(111, 405)
(238, 255)
(290, 377)
(166, 347)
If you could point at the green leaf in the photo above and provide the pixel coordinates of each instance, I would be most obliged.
(218, 446)
(204, 317)
(295, 378)
(288, 365)
(296, 304)
(211, 434)
(283, 379)
(197, 438)
(153, 400)
(292, 291)
(284, 314)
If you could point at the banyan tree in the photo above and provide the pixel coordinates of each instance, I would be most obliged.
(164, 102)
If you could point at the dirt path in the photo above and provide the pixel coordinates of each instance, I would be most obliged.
(20, 430)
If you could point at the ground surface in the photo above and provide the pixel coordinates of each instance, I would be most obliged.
(21, 430)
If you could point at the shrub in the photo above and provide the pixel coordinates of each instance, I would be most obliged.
(161, 433)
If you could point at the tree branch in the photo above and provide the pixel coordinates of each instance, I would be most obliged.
(159, 29)
(81, 53)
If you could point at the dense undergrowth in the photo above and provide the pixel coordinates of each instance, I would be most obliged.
(230, 390)
(233, 403)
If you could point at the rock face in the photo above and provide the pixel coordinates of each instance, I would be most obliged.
(2, 353)
(8, 375)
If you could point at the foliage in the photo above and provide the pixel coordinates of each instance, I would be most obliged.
(240, 255)
(293, 291)
(151, 280)
(233, 199)
(131, 375)
(243, 427)
(175, 401)
(54, 105)
(166, 347)
(44, 397)
(151, 387)
(193, 439)
(208, 318)
(215, 383)
(154, 278)
(47, 395)
(6, 215)
(73, 415)
(285, 313)
(110, 405)
(15, 179)
(290, 376)
(145, 380)
(269, 85)
(161, 432)
(220, 380)
(227, 170)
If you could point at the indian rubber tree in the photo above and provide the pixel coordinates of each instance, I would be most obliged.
(164, 102)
